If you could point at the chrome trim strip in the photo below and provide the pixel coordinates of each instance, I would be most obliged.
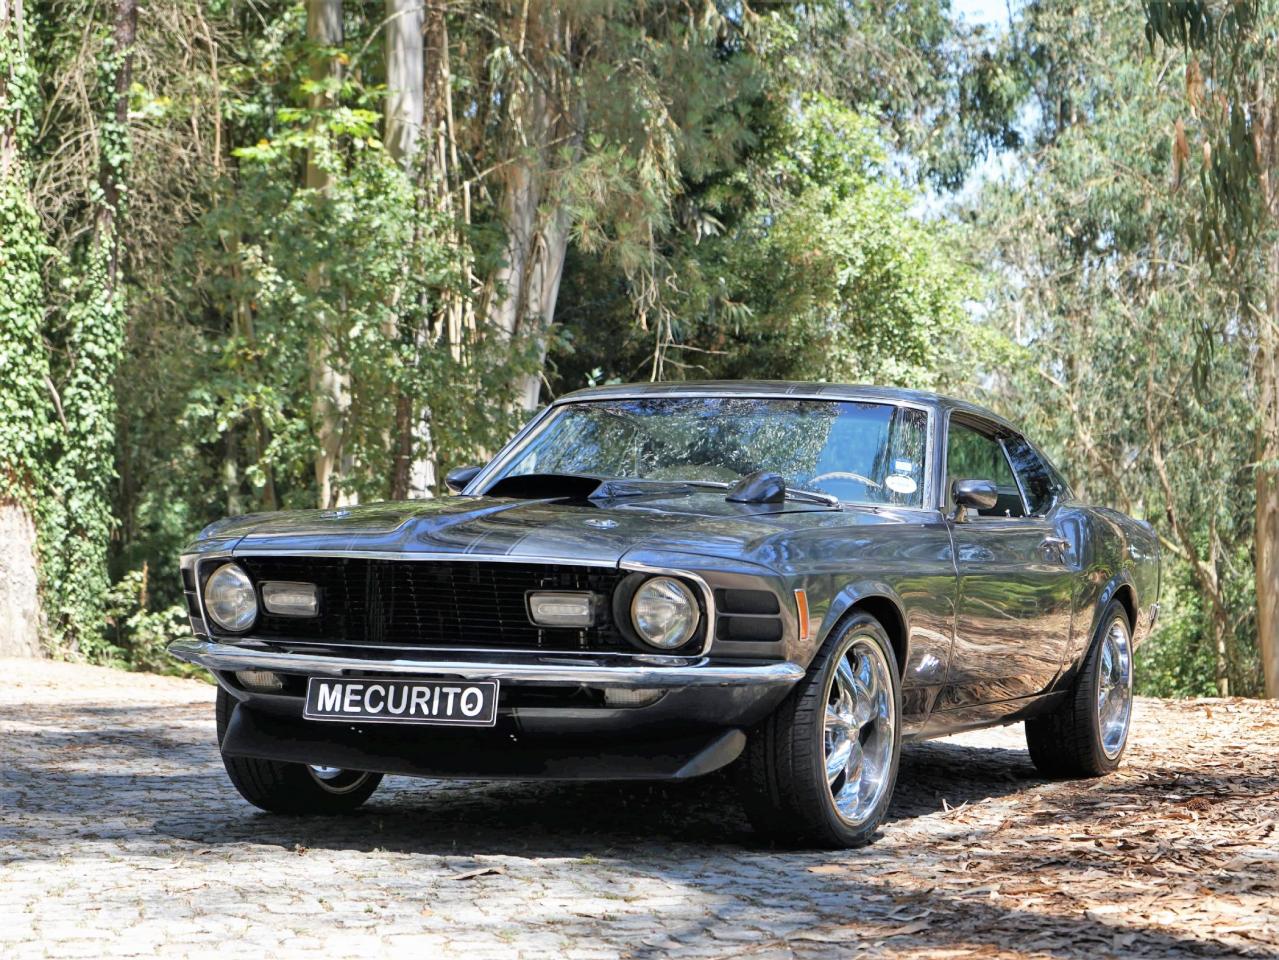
(199, 583)
(699, 673)
(480, 480)
(533, 558)
(633, 653)
(708, 595)
(753, 393)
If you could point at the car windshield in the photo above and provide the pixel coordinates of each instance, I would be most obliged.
(860, 452)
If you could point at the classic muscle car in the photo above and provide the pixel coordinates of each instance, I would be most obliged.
(659, 581)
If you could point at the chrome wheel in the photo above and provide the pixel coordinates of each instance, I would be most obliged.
(1114, 688)
(859, 729)
(337, 780)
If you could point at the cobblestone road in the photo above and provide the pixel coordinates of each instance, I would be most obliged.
(119, 836)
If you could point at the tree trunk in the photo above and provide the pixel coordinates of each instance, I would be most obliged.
(1221, 652)
(330, 386)
(405, 79)
(535, 219)
(405, 110)
(111, 177)
(97, 321)
(529, 279)
(1267, 458)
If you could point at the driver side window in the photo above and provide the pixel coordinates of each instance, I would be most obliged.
(972, 455)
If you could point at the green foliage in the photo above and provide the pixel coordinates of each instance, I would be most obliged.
(60, 469)
(24, 363)
(140, 634)
(742, 193)
(1180, 659)
(75, 570)
(809, 264)
(1107, 307)
(1237, 40)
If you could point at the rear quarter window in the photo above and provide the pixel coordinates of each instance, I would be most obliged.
(1041, 484)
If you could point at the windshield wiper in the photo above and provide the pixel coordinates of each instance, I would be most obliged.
(791, 493)
(627, 488)
(812, 496)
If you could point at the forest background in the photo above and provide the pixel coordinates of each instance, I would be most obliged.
(258, 254)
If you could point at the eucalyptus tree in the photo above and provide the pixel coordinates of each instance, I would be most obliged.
(404, 114)
(1231, 107)
(1096, 285)
(330, 385)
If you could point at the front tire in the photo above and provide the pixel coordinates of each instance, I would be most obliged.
(296, 788)
(821, 770)
(1085, 736)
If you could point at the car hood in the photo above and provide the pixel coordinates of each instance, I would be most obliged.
(698, 522)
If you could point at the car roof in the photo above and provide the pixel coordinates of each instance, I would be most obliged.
(784, 388)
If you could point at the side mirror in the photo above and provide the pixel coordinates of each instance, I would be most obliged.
(457, 478)
(969, 494)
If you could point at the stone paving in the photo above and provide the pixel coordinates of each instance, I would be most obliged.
(120, 836)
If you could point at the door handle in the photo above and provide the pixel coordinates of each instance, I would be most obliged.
(1056, 547)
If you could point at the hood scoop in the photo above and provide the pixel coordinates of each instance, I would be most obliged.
(545, 486)
(762, 486)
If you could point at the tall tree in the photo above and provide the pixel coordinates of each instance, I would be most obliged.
(538, 109)
(1232, 97)
(1104, 301)
(405, 111)
(405, 78)
(330, 383)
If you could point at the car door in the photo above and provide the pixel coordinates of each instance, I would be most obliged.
(1015, 582)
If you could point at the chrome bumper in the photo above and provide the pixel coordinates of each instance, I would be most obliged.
(604, 671)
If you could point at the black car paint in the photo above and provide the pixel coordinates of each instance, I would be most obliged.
(990, 619)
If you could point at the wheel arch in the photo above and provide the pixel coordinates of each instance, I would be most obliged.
(879, 601)
(1118, 588)
(1126, 594)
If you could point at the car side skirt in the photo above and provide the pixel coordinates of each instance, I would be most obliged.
(943, 723)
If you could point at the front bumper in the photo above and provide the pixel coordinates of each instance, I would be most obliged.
(664, 673)
(695, 726)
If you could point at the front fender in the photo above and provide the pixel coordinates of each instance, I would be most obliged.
(921, 628)
(857, 592)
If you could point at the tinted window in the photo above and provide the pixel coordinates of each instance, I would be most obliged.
(972, 455)
(860, 452)
(1041, 485)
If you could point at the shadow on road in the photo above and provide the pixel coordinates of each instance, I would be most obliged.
(151, 778)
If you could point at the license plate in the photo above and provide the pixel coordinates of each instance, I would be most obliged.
(470, 703)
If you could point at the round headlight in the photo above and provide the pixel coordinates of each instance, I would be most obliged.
(664, 613)
(230, 599)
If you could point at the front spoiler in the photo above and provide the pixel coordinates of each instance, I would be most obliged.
(467, 755)
(661, 673)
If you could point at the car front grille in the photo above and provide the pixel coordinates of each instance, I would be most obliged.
(434, 603)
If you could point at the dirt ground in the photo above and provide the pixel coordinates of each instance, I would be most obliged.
(120, 836)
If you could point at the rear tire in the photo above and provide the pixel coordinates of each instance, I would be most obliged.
(847, 706)
(1086, 734)
(296, 788)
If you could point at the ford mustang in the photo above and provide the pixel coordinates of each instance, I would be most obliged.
(659, 581)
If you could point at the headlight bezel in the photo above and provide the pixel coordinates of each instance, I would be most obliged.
(208, 587)
(629, 595)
